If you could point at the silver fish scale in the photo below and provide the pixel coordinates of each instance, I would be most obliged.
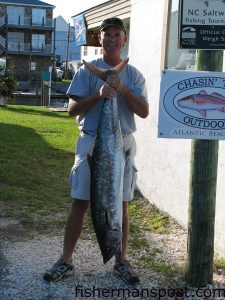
(107, 174)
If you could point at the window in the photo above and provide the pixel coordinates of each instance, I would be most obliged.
(85, 53)
(38, 42)
(15, 15)
(38, 16)
(181, 59)
(16, 41)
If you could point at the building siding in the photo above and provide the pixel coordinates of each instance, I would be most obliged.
(19, 57)
(164, 164)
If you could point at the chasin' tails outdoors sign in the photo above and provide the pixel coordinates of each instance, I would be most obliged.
(202, 24)
(192, 105)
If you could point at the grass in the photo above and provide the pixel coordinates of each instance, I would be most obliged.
(219, 264)
(64, 81)
(147, 217)
(37, 152)
(149, 262)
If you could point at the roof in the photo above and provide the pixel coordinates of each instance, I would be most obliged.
(108, 9)
(27, 2)
(61, 24)
(92, 7)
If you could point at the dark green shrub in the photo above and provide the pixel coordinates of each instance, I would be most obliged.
(7, 85)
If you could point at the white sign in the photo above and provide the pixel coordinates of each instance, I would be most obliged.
(201, 12)
(33, 66)
(192, 105)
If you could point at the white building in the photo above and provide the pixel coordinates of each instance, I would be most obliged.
(163, 164)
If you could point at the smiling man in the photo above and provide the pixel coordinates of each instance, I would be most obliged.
(87, 93)
(112, 39)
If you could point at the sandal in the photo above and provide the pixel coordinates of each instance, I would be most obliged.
(59, 270)
(124, 271)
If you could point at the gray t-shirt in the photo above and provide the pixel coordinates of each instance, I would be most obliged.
(85, 83)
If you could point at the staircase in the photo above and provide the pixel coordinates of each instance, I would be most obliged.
(2, 22)
(2, 45)
(2, 39)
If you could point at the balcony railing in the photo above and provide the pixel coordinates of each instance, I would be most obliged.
(29, 21)
(27, 47)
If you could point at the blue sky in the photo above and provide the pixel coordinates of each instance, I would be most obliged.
(68, 8)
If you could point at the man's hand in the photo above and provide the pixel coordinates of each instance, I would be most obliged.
(113, 80)
(110, 87)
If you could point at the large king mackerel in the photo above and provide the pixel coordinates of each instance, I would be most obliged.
(107, 165)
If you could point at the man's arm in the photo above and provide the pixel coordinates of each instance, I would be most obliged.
(136, 104)
(77, 107)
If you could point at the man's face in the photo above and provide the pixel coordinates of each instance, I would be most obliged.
(112, 40)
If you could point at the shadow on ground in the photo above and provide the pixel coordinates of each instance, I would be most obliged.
(33, 183)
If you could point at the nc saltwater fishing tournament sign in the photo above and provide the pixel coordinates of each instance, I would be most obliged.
(192, 105)
(202, 24)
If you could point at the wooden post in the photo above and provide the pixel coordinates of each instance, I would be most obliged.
(67, 52)
(202, 200)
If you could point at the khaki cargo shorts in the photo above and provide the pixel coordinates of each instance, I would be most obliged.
(80, 173)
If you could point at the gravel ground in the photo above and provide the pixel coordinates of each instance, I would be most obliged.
(23, 262)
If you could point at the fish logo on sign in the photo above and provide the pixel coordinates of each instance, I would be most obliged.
(189, 36)
(203, 102)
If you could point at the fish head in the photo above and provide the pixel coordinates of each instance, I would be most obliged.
(187, 102)
(111, 244)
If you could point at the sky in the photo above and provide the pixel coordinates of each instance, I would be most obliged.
(68, 8)
(175, 5)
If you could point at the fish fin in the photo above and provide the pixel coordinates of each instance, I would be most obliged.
(89, 160)
(202, 113)
(120, 67)
(108, 218)
(222, 109)
(217, 96)
(99, 72)
(102, 73)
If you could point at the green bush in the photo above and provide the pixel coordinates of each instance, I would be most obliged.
(7, 85)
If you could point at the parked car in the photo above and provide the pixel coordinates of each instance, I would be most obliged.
(73, 66)
(59, 73)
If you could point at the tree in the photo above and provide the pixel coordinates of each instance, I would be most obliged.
(7, 85)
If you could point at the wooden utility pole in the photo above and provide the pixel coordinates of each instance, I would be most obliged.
(202, 201)
(67, 51)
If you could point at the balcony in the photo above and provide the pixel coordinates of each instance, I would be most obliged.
(27, 48)
(30, 22)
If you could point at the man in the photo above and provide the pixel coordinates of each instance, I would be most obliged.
(87, 93)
